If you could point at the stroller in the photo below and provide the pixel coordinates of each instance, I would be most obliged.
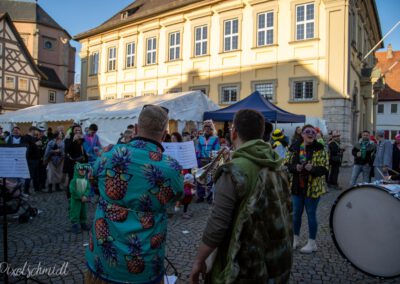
(14, 201)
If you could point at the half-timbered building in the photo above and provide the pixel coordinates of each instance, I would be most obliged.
(19, 75)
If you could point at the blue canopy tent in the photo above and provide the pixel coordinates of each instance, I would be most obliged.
(257, 102)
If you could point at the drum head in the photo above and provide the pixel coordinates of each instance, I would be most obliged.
(365, 227)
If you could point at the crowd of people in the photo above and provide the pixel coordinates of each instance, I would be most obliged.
(247, 237)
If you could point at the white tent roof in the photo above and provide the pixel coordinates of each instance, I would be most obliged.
(187, 106)
(113, 116)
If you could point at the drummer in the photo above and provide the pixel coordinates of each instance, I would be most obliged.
(207, 143)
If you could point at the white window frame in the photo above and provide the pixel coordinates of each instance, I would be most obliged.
(94, 63)
(151, 54)
(54, 99)
(383, 109)
(305, 21)
(20, 84)
(130, 55)
(231, 36)
(201, 42)
(268, 82)
(304, 82)
(112, 59)
(6, 83)
(174, 50)
(266, 29)
(229, 88)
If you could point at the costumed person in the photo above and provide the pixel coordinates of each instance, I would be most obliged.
(251, 220)
(79, 189)
(383, 156)
(363, 153)
(207, 143)
(137, 182)
(188, 191)
(335, 160)
(280, 143)
(307, 161)
(296, 136)
(92, 144)
(54, 155)
(396, 155)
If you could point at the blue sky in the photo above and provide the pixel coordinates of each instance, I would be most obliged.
(77, 16)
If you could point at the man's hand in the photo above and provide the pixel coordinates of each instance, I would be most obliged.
(299, 168)
(84, 199)
(197, 269)
(358, 154)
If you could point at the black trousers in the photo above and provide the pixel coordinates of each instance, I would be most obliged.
(333, 174)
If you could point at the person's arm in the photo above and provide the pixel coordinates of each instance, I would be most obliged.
(218, 223)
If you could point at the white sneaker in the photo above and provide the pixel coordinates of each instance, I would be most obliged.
(176, 209)
(296, 240)
(310, 247)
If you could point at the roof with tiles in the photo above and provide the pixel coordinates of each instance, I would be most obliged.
(389, 64)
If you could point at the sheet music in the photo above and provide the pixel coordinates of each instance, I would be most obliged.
(13, 162)
(183, 152)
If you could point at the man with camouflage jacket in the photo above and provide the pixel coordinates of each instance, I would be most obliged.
(251, 221)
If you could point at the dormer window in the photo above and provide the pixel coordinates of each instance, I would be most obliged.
(124, 15)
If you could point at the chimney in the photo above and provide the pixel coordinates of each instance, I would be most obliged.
(389, 54)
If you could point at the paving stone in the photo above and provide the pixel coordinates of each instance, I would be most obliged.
(47, 239)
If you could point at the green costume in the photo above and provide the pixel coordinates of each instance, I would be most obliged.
(78, 188)
(257, 246)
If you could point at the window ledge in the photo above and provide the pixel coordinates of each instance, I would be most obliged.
(94, 75)
(150, 65)
(173, 61)
(264, 46)
(200, 56)
(230, 51)
(112, 71)
(304, 40)
(129, 68)
(303, 101)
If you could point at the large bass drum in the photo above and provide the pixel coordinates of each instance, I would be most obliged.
(365, 227)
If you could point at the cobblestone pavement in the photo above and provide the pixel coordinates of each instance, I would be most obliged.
(46, 239)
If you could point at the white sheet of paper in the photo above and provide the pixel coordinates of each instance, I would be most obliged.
(183, 152)
(170, 279)
(13, 162)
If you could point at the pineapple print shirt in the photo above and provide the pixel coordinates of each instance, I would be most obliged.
(127, 240)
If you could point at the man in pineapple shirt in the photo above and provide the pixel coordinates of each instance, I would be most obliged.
(136, 182)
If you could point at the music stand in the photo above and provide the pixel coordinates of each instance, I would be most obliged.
(13, 164)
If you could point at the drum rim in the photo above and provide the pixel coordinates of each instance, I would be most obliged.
(332, 233)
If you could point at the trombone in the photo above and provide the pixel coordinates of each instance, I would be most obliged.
(205, 174)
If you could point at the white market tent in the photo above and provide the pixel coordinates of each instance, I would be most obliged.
(112, 116)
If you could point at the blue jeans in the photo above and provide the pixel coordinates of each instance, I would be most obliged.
(357, 170)
(311, 204)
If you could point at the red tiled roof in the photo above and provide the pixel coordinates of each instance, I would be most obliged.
(392, 77)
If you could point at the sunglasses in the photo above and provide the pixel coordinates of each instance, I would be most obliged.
(309, 131)
(122, 176)
(164, 108)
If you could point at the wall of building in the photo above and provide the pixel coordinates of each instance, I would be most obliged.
(44, 96)
(327, 59)
(388, 120)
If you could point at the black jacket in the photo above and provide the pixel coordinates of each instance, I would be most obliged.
(335, 153)
(369, 158)
(396, 158)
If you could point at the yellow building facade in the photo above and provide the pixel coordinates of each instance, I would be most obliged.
(305, 56)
